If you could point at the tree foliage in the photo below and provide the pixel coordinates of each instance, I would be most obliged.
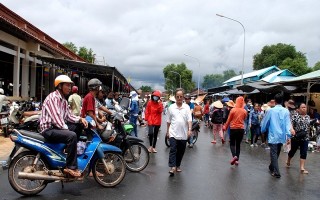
(146, 88)
(216, 80)
(83, 52)
(316, 66)
(283, 56)
(172, 80)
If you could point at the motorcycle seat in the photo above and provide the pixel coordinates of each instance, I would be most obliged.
(32, 135)
(30, 113)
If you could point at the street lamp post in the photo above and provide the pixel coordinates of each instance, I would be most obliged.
(178, 74)
(244, 43)
(198, 70)
(170, 80)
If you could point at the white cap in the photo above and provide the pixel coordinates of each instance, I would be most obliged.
(132, 93)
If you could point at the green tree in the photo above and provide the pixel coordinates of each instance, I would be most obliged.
(212, 80)
(72, 47)
(228, 74)
(146, 88)
(186, 77)
(86, 54)
(283, 56)
(316, 66)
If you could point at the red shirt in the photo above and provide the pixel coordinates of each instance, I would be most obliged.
(88, 104)
(154, 113)
(206, 109)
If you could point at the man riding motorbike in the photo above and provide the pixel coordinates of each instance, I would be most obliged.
(53, 122)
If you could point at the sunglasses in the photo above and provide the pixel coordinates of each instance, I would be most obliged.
(179, 97)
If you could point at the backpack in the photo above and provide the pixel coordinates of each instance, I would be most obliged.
(217, 116)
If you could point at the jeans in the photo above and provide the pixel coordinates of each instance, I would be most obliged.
(153, 134)
(274, 155)
(236, 136)
(69, 137)
(303, 148)
(255, 131)
(133, 121)
(177, 149)
(247, 128)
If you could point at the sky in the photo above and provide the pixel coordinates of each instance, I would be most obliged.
(141, 37)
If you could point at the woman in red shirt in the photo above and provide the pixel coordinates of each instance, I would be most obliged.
(206, 113)
(153, 116)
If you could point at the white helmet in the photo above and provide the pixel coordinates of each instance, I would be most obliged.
(62, 79)
(1, 91)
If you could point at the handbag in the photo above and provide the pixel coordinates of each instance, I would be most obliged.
(301, 135)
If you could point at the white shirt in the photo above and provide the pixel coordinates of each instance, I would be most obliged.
(178, 119)
(3, 98)
(75, 104)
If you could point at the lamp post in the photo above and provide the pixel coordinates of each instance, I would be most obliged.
(198, 70)
(169, 80)
(244, 42)
(178, 74)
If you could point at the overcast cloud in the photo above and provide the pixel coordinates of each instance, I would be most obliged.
(141, 37)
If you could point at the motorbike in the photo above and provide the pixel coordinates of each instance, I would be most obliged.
(135, 154)
(194, 136)
(20, 117)
(34, 162)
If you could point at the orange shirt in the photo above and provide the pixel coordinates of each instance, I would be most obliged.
(236, 118)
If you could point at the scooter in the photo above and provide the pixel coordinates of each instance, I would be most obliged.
(194, 136)
(135, 154)
(35, 162)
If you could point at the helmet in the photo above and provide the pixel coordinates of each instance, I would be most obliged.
(1, 91)
(62, 79)
(74, 89)
(156, 93)
(187, 96)
(94, 84)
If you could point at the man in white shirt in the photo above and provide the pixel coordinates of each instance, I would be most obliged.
(179, 124)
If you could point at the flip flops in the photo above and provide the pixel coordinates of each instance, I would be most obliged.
(74, 173)
(303, 171)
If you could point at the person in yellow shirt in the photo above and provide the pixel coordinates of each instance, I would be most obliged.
(75, 101)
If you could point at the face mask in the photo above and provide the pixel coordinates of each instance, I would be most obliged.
(155, 98)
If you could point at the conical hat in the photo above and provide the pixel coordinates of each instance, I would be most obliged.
(218, 104)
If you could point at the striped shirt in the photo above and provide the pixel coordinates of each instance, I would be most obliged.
(55, 112)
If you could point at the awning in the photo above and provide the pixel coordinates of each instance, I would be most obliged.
(240, 92)
(219, 89)
(271, 88)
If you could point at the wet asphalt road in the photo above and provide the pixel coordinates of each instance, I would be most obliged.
(206, 174)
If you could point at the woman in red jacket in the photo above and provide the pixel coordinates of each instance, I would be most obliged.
(153, 116)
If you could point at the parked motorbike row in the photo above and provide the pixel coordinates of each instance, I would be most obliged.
(34, 162)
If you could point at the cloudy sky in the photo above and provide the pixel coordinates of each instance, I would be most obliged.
(141, 37)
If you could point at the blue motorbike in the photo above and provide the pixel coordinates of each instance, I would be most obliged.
(34, 162)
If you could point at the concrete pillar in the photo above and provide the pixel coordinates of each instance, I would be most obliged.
(25, 76)
(16, 72)
(33, 78)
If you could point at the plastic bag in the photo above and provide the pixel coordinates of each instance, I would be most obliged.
(81, 147)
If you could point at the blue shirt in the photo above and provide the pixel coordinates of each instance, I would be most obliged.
(134, 108)
(254, 117)
(277, 123)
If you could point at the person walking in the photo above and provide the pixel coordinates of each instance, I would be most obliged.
(74, 101)
(277, 123)
(300, 123)
(134, 111)
(226, 111)
(254, 123)
(153, 117)
(217, 121)
(179, 124)
(206, 112)
(236, 119)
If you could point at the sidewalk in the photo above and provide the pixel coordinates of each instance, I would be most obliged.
(6, 146)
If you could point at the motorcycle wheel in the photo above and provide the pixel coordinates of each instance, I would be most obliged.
(195, 137)
(114, 173)
(23, 163)
(136, 157)
(167, 141)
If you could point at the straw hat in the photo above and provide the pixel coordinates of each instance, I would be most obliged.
(218, 104)
(230, 103)
(172, 98)
(265, 107)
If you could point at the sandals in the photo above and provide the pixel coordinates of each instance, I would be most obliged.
(303, 171)
(74, 173)
(172, 171)
(178, 169)
(287, 164)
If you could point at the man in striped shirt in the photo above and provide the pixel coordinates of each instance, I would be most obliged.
(59, 125)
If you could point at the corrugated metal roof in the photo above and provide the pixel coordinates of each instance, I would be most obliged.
(277, 77)
(311, 75)
(251, 74)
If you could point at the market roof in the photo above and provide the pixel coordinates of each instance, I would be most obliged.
(251, 74)
(306, 77)
(279, 76)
